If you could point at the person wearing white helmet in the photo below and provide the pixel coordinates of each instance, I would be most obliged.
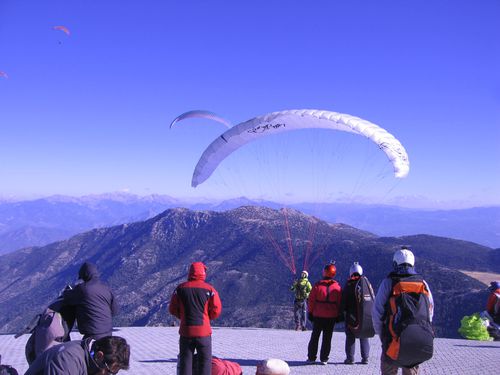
(301, 288)
(357, 302)
(273, 366)
(392, 290)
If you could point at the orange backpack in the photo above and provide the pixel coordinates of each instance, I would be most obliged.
(408, 325)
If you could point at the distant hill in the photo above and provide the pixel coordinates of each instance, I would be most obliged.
(144, 261)
(43, 221)
(480, 225)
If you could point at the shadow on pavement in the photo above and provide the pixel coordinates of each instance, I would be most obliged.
(170, 360)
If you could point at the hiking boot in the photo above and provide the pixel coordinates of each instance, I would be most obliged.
(310, 360)
(364, 361)
(297, 328)
(349, 361)
(324, 363)
(304, 329)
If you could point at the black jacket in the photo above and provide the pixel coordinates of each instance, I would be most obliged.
(349, 301)
(94, 303)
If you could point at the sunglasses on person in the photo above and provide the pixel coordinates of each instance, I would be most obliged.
(105, 367)
(108, 369)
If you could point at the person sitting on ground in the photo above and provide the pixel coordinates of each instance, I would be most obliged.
(301, 287)
(94, 303)
(273, 366)
(108, 355)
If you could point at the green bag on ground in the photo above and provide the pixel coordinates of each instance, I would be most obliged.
(473, 327)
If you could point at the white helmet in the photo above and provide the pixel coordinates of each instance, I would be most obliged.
(404, 256)
(356, 268)
(273, 366)
(304, 274)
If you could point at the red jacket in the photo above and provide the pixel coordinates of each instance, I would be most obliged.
(195, 303)
(490, 305)
(223, 367)
(324, 300)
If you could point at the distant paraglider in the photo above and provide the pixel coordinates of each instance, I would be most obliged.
(64, 29)
(198, 113)
(283, 121)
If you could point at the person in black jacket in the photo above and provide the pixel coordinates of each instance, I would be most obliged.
(105, 356)
(350, 307)
(94, 303)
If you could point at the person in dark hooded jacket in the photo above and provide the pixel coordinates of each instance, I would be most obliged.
(94, 303)
(195, 303)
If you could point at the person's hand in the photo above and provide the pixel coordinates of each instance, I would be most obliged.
(310, 317)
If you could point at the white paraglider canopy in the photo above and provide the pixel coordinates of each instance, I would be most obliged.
(284, 121)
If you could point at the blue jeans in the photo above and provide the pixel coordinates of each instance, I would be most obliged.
(299, 313)
(350, 346)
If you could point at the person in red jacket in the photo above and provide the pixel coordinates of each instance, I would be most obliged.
(493, 304)
(323, 307)
(195, 303)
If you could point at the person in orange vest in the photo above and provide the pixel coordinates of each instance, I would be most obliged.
(323, 309)
(406, 295)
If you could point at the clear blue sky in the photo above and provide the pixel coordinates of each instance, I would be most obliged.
(89, 112)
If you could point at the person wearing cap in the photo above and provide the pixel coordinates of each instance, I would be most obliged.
(301, 287)
(195, 303)
(323, 309)
(273, 366)
(349, 307)
(403, 268)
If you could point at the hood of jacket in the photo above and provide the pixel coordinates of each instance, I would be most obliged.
(197, 271)
(88, 271)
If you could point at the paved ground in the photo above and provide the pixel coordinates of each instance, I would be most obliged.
(154, 351)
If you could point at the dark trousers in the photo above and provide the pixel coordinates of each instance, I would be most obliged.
(187, 347)
(350, 345)
(299, 313)
(325, 326)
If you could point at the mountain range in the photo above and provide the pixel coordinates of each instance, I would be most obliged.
(249, 252)
(42, 221)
